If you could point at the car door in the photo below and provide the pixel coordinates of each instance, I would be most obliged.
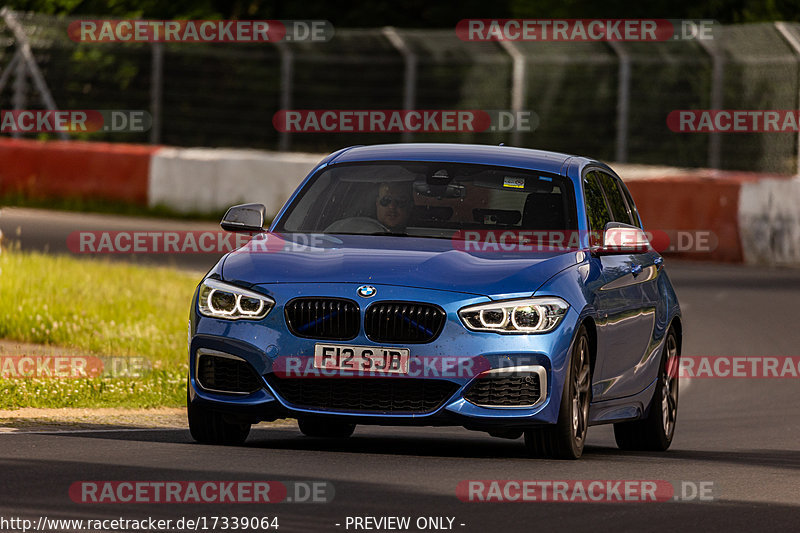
(624, 324)
(652, 262)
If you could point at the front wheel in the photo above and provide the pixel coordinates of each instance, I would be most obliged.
(566, 438)
(210, 427)
(655, 432)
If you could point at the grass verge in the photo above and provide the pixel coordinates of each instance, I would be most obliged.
(103, 309)
(157, 388)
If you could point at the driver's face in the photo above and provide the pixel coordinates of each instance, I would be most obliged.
(394, 205)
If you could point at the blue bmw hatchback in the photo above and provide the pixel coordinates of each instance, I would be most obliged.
(505, 290)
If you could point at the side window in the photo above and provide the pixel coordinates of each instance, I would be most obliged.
(302, 217)
(596, 208)
(637, 220)
(619, 209)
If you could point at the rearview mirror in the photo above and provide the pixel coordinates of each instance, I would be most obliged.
(244, 217)
(621, 238)
(452, 190)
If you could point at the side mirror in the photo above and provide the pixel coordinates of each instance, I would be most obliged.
(621, 238)
(244, 217)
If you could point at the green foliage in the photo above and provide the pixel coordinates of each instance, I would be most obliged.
(418, 13)
(160, 388)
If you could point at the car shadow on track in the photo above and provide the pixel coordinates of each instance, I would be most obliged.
(456, 444)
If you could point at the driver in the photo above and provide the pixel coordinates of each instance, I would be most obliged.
(394, 204)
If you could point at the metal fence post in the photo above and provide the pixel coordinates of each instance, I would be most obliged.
(287, 75)
(717, 81)
(28, 62)
(409, 75)
(156, 87)
(11, 67)
(623, 100)
(794, 43)
(19, 101)
(517, 85)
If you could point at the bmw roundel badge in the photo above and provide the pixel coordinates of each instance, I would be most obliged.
(367, 291)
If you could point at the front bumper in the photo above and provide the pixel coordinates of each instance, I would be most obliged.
(262, 344)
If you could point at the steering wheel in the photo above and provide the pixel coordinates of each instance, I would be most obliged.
(364, 225)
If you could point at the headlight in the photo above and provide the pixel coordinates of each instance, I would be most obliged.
(531, 315)
(221, 300)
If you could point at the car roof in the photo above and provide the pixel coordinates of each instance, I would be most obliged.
(484, 154)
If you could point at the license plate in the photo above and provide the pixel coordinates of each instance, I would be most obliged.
(362, 358)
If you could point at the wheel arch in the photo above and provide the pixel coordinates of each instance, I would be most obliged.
(591, 331)
(677, 325)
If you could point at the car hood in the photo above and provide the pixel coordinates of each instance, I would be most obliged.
(404, 261)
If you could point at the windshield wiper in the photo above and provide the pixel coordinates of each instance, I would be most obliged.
(388, 234)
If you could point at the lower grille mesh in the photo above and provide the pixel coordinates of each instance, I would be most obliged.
(378, 395)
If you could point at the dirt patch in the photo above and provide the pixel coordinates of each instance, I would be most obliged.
(16, 348)
(29, 419)
(54, 419)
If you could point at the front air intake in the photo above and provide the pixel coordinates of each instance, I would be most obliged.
(226, 373)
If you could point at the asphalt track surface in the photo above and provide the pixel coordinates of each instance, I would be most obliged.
(741, 434)
(48, 231)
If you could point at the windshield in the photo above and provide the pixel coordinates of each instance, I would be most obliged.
(428, 199)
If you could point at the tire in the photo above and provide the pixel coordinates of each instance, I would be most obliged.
(210, 427)
(322, 428)
(655, 432)
(565, 439)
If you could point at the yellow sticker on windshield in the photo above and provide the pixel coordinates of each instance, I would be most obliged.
(514, 183)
